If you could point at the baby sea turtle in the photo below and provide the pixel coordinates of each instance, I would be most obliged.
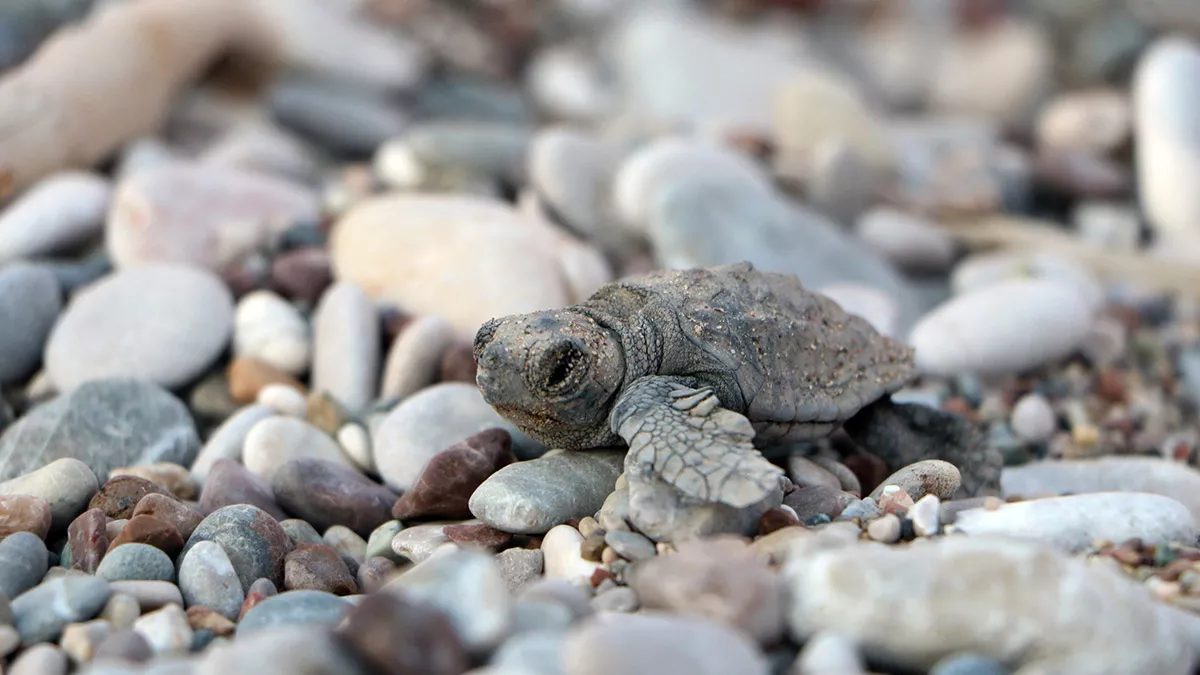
(696, 370)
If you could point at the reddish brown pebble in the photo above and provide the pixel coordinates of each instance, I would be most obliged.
(402, 637)
(1127, 555)
(326, 493)
(776, 519)
(870, 470)
(88, 540)
(444, 487)
(303, 274)
(120, 495)
(1111, 386)
(150, 530)
(183, 517)
(317, 567)
(478, 534)
(204, 618)
(229, 483)
(248, 375)
(24, 513)
(375, 573)
(599, 575)
(458, 364)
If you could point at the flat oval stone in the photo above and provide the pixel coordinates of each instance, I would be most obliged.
(23, 562)
(346, 350)
(105, 424)
(253, 540)
(430, 421)
(572, 171)
(41, 613)
(1073, 522)
(658, 644)
(230, 483)
(276, 440)
(136, 562)
(67, 484)
(162, 323)
(24, 513)
(415, 358)
(446, 483)
(1155, 475)
(30, 300)
(532, 497)
(327, 493)
(200, 215)
(268, 328)
(294, 607)
(207, 578)
(930, 476)
(150, 594)
(227, 441)
(58, 212)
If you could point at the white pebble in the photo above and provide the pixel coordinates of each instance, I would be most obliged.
(167, 630)
(56, 213)
(275, 440)
(924, 516)
(356, 442)
(283, 399)
(269, 328)
(1033, 419)
(907, 240)
(885, 529)
(563, 558)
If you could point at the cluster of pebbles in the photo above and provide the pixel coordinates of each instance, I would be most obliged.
(239, 429)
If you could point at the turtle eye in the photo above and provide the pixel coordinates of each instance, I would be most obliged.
(560, 364)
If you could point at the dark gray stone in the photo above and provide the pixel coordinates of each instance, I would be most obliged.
(23, 562)
(532, 497)
(105, 423)
(30, 300)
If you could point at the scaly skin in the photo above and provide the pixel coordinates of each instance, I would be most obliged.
(633, 362)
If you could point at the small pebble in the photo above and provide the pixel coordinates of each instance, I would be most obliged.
(135, 561)
(166, 630)
(885, 529)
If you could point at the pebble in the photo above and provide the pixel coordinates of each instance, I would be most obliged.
(1074, 522)
(283, 399)
(419, 542)
(121, 610)
(202, 617)
(463, 241)
(925, 516)
(301, 275)
(1097, 121)
(253, 540)
(407, 439)
(567, 83)
(415, 357)
(105, 424)
(200, 215)
(805, 472)
(248, 376)
(721, 579)
(1107, 474)
(929, 476)
(134, 562)
(207, 578)
(438, 153)
(275, 441)
(40, 659)
(616, 599)
(227, 440)
(561, 557)
(60, 211)
(231, 483)
(374, 574)
(662, 644)
(468, 586)
(119, 496)
(346, 346)
(520, 567)
(380, 541)
(23, 562)
(630, 545)
(166, 630)
(174, 477)
(397, 635)
(169, 511)
(262, 147)
(341, 116)
(294, 607)
(87, 538)
(1167, 134)
(67, 484)
(534, 496)
(885, 529)
(290, 648)
(346, 542)
(183, 318)
(41, 613)
(24, 513)
(299, 531)
(79, 640)
(980, 270)
(317, 567)
(1050, 611)
(573, 171)
(328, 493)
(829, 653)
(123, 645)
(30, 300)
(356, 443)
(1008, 327)
(1033, 419)
(910, 242)
(150, 594)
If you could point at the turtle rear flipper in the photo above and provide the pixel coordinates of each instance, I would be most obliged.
(681, 434)
(905, 433)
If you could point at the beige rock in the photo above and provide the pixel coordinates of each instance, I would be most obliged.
(346, 346)
(199, 214)
(24, 513)
(452, 256)
(415, 358)
(815, 106)
(1097, 121)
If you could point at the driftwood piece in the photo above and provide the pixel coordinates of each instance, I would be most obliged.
(1006, 232)
(99, 84)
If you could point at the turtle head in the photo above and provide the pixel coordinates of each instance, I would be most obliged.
(553, 373)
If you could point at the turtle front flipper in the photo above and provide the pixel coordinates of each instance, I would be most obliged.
(904, 433)
(682, 435)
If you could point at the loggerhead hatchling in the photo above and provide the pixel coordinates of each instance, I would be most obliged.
(698, 369)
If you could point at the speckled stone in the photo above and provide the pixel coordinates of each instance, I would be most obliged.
(445, 485)
(135, 562)
(152, 531)
(120, 495)
(253, 540)
(23, 562)
(326, 494)
(24, 513)
(42, 612)
(930, 476)
(317, 567)
(533, 496)
(162, 508)
(207, 577)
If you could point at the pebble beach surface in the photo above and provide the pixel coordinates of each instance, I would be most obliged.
(240, 431)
